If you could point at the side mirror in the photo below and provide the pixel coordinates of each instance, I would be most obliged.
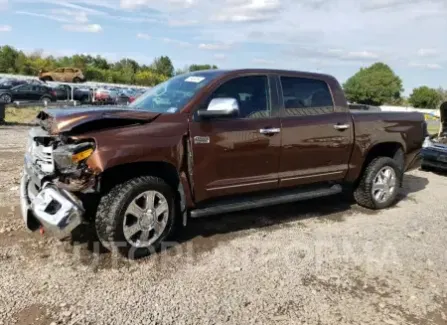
(220, 107)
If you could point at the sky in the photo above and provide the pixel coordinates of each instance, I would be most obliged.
(331, 36)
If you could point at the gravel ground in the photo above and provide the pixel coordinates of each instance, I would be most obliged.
(320, 262)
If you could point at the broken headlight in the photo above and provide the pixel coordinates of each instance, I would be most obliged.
(69, 157)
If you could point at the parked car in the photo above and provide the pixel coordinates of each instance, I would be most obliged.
(125, 97)
(434, 151)
(63, 75)
(28, 92)
(65, 92)
(210, 142)
(9, 83)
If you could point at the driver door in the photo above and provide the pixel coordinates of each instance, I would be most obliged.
(235, 155)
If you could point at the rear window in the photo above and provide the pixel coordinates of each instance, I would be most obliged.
(305, 96)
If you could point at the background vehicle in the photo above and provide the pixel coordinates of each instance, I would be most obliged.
(434, 151)
(63, 75)
(211, 142)
(28, 92)
(64, 92)
(9, 83)
(125, 97)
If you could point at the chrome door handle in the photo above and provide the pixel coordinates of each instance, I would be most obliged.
(270, 131)
(341, 126)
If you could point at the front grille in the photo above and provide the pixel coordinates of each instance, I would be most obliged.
(41, 155)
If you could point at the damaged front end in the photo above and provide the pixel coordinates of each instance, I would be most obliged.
(434, 148)
(55, 176)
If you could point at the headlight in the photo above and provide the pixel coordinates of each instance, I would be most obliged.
(68, 157)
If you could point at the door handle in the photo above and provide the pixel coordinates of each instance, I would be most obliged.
(341, 127)
(270, 130)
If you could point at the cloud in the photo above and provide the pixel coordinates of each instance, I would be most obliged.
(429, 66)
(427, 52)
(248, 11)
(182, 23)
(71, 15)
(5, 28)
(263, 61)
(144, 36)
(45, 16)
(214, 47)
(133, 4)
(93, 28)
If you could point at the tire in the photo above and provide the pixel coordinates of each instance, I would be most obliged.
(5, 98)
(112, 215)
(45, 79)
(77, 80)
(45, 100)
(363, 194)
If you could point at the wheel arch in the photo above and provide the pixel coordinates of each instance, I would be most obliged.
(391, 149)
(165, 170)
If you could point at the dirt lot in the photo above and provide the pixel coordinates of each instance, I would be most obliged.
(321, 262)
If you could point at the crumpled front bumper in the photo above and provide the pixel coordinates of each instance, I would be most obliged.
(57, 210)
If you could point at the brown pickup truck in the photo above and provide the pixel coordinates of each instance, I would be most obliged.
(205, 143)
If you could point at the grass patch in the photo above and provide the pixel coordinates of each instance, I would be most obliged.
(433, 129)
(21, 115)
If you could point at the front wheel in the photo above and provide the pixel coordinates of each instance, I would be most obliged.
(379, 185)
(135, 217)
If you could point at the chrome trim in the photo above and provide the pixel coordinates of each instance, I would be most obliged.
(309, 176)
(241, 185)
(270, 131)
(341, 126)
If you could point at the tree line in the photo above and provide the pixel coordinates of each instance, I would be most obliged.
(374, 85)
(95, 68)
(378, 85)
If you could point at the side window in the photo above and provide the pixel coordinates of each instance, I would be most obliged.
(252, 94)
(304, 96)
(24, 88)
(59, 70)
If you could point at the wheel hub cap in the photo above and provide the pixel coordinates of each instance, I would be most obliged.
(147, 220)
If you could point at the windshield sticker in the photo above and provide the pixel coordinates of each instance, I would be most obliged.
(195, 79)
(172, 110)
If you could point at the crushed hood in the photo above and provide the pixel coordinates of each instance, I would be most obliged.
(59, 120)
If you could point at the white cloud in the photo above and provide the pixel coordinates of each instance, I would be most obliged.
(263, 61)
(133, 4)
(427, 52)
(247, 11)
(45, 16)
(429, 66)
(144, 36)
(93, 28)
(214, 46)
(182, 22)
(73, 15)
(5, 28)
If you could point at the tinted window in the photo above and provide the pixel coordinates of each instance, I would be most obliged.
(23, 87)
(306, 96)
(252, 94)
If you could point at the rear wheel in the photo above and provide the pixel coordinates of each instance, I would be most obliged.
(77, 80)
(45, 100)
(135, 217)
(46, 79)
(379, 185)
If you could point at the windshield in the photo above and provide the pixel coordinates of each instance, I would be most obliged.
(172, 95)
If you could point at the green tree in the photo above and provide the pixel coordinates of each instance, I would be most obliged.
(198, 67)
(425, 97)
(375, 85)
(442, 94)
(8, 57)
(163, 65)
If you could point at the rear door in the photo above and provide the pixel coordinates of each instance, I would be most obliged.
(316, 137)
(236, 155)
(22, 92)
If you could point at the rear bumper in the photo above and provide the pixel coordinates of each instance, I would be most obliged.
(43, 204)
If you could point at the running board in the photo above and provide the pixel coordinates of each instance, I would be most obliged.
(267, 200)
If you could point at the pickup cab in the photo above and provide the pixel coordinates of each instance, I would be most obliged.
(206, 143)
